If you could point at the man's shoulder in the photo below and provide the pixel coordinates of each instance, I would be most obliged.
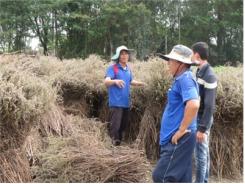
(186, 76)
(208, 80)
(110, 67)
(209, 76)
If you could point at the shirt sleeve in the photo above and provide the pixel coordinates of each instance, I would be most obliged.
(131, 76)
(210, 87)
(188, 89)
(109, 72)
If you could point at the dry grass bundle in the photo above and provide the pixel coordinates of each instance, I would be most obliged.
(83, 157)
(155, 74)
(54, 122)
(14, 167)
(227, 134)
(229, 106)
(80, 83)
(41, 66)
(84, 75)
(23, 99)
(34, 144)
(226, 153)
(148, 137)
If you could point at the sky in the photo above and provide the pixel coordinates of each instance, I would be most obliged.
(34, 42)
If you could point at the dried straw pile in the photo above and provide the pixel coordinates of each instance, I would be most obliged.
(227, 133)
(14, 167)
(81, 92)
(23, 100)
(87, 156)
(82, 81)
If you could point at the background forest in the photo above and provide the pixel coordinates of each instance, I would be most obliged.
(78, 28)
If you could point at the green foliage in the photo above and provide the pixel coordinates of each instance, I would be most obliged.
(78, 28)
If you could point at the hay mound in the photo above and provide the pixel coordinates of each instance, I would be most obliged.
(28, 94)
(227, 133)
(87, 156)
(14, 167)
(23, 100)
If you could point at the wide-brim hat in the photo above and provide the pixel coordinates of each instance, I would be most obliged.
(179, 53)
(118, 50)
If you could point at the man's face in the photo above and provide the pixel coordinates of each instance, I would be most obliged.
(195, 56)
(123, 58)
(173, 66)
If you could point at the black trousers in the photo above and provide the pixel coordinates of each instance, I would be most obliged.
(118, 121)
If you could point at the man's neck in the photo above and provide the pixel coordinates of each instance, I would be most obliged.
(123, 64)
(202, 63)
(181, 70)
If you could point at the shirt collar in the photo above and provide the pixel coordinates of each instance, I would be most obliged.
(177, 77)
(120, 66)
(202, 70)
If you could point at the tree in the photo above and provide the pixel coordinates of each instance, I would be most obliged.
(13, 25)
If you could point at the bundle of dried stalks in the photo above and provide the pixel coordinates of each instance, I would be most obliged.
(34, 144)
(226, 150)
(227, 135)
(14, 167)
(87, 156)
(54, 122)
(23, 100)
(82, 81)
(229, 108)
(148, 137)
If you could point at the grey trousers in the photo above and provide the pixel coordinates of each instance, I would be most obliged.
(118, 121)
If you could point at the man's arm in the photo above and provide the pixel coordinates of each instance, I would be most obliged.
(108, 82)
(209, 107)
(137, 83)
(190, 113)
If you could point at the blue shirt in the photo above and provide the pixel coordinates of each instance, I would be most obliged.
(184, 88)
(119, 97)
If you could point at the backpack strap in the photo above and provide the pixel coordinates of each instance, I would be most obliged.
(115, 69)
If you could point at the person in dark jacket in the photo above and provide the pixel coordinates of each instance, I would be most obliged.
(207, 82)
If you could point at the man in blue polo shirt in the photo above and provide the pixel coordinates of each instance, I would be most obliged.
(118, 80)
(178, 125)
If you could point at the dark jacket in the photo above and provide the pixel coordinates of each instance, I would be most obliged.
(207, 82)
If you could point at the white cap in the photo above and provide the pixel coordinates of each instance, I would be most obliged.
(119, 49)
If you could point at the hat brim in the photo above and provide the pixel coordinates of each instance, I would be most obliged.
(168, 57)
(162, 56)
(116, 56)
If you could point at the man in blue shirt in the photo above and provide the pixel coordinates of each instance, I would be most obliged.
(178, 125)
(118, 80)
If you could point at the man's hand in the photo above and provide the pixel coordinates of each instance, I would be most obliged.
(138, 83)
(120, 83)
(178, 135)
(200, 136)
(143, 84)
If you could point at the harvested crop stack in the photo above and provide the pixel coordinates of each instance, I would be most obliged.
(227, 133)
(82, 81)
(42, 91)
(87, 156)
(23, 99)
(14, 167)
